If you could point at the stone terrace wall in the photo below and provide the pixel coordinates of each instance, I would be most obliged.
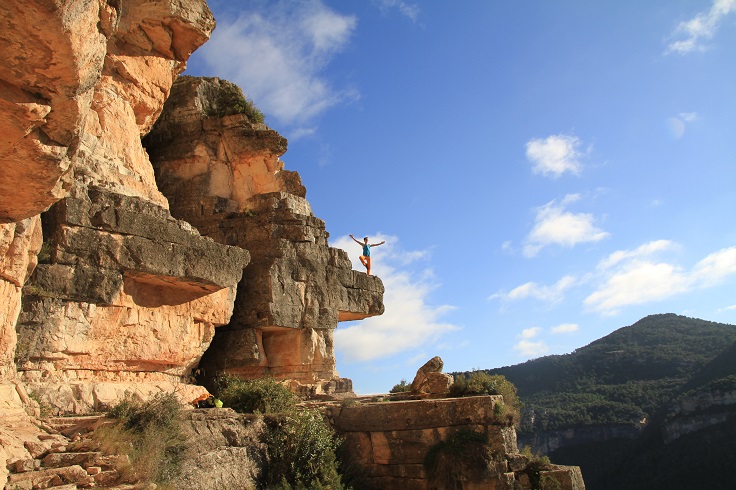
(390, 440)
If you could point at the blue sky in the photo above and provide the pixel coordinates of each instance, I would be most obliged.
(543, 172)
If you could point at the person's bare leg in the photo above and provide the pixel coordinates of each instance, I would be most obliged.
(368, 265)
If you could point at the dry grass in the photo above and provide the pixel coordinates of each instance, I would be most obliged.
(148, 435)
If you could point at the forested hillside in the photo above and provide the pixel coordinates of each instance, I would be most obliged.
(619, 379)
(650, 406)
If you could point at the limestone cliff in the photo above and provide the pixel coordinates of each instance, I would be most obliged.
(223, 174)
(121, 283)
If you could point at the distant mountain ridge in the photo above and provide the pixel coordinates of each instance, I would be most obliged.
(620, 378)
(639, 408)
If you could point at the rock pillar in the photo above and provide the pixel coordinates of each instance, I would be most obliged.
(221, 171)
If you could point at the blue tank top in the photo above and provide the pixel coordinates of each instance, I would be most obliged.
(366, 250)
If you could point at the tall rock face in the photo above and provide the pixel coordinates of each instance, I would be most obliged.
(124, 293)
(80, 81)
(223, 174)
(19, 244)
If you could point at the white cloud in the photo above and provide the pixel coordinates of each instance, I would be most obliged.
(715, 268)
(277, 56)
(556, 226)
(692, 33)
(636, 277)
(646, 250)
(550, 294)
(638, 282)
(554, 155)
(566, 328)
(530, 333)
(528, 348)
(409, 321)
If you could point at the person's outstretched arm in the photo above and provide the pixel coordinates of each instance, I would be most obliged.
(377, 244)
(356, 240)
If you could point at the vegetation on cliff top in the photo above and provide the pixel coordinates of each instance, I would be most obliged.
(644, 369)
(231, 100)
(482, 383)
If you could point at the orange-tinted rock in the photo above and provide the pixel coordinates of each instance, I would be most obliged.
(223, 174)
(19, 244)
(80, 82)
(127, 294)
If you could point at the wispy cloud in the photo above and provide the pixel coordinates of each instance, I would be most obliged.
(633, 277)
(277, 53)
(554, 225)
(691, 34)
(642, 251)
(407, 9)
(555, 155)
(565, 328)
(549, 294)
(638, 277)
(676, 125)
(409, 321)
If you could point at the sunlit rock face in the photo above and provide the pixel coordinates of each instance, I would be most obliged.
(223, 174)
(20, 242)
(124, 293)
(80, 82)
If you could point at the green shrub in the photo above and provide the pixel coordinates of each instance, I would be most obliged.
(301, 451)
(265, 395)
(301, 446)
(150, 433)
(482, 383)
(232, 101)
(538, 463)
(402, 387)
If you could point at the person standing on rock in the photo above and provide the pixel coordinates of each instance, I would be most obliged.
(365, 259)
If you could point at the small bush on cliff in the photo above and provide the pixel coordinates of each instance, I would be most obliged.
(301, 446)
(301, 451)
(402, 387)
(482, 383)
(232, 101)
(150, 433)
(538, 463)
(265, 395)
